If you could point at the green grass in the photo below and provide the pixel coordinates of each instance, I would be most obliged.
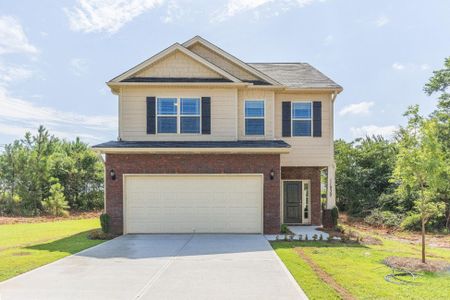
(24, 247)
(360, 270)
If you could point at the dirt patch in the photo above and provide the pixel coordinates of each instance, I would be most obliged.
(343, 293)
(21, 253)
(40, 219)
(412, 264)
(437, 240)
(371, 240)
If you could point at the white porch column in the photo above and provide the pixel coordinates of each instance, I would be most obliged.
(331, 197)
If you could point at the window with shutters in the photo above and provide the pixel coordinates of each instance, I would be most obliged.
(254, 117)
(301, 118)
(178, 115)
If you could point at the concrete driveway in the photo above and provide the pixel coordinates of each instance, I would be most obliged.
(162, 267)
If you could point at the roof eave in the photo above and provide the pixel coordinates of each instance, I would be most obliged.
(178, 150)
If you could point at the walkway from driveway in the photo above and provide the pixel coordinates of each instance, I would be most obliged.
(162, 267)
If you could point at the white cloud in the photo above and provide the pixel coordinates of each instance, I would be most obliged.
(79, 66)
(370, 130)
(21, 116)
(382, 21)
(13, 38)
(10, 73)
(362, 108)
(424, 67)
(235, 7)
(106, 15)
(328, 40)
(398, 66)
(410, 66)
(174, 12)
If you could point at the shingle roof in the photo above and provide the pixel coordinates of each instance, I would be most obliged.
(296, 75)
(195, 144)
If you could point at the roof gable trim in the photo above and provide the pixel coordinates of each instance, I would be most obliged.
(168, 51)
(252, 70)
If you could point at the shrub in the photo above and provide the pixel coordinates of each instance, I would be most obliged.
(9, 205)
(334, 215)
(383, 218)
(56, 204)
(105, 222)
(100, 235)
(413, 222)
(284, 229)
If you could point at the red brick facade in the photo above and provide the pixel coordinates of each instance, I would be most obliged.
(193, 164)
(313, 174)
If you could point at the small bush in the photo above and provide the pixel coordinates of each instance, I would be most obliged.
(284, 229)
(100, 235)
(335, 215)
(56, 204)
(413, 222)
(105, 222)
(383, 218)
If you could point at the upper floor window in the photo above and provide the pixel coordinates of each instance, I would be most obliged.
(190, 115)
(301, 118)
(254, 117)
(178, 115)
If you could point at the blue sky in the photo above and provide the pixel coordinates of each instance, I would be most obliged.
(55, 56)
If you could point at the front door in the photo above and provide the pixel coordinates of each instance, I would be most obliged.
(292, 201)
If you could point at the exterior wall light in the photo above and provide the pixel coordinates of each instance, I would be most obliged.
(112, 174)
(272, 174)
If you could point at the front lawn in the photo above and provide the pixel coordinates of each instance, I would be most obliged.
(24, 247)
(359, 270)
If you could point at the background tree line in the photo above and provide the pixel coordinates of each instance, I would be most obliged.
(43, 174)
(403, 182)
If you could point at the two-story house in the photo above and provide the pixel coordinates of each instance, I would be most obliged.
(210, 144)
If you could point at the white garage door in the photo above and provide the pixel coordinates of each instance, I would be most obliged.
(188, 203)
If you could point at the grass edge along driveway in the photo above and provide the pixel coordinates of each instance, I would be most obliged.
(359, 270)
(26, 246)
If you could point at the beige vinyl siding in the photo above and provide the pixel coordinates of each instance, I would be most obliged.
(222, 62)
(132, 116)
(269, 100)
(307, 151)
(177, 64)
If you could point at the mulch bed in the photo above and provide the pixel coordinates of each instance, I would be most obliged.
(40, 219)
(98, 234)
(412, 264)
(324, 276)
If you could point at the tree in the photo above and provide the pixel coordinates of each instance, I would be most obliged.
(363, 170)
(56, 204)
(420, 166)
(28, 165)
(439, 83)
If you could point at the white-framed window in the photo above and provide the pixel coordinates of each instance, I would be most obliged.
(254, 113)
(190, 115)
(178, 115)
(301, 118)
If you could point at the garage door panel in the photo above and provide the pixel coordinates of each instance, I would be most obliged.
(184, 203)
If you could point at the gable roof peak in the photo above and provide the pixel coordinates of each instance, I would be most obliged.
(230, 57)
(167, 51)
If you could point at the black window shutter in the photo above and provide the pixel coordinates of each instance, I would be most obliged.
(317, 118)
(286, 118)
(151, 115)
(206, 115)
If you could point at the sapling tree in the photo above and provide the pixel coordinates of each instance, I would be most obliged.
(420, 167)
